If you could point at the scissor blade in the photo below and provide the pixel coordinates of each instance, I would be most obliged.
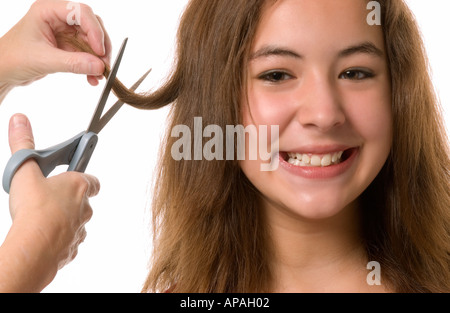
(116, 107)
(107, 88)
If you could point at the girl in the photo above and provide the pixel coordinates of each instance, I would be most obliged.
(339, 89)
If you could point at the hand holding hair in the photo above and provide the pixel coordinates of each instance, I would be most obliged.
(147, 101)
(30, 51)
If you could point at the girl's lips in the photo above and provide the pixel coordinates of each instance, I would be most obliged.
(320, 172)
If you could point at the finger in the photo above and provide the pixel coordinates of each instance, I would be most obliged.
(91, 27)
(71, 255)
(95, 31)
(57, 60)
(65, 14)
(21, 137)
(93, 185)
(80, 236)
(107, 42)
(93, 80)
(87, 212)
(20, 133)
(80, 186)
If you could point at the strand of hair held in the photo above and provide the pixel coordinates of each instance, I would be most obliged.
(147, 101)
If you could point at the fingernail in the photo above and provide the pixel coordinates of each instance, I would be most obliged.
(19, 121)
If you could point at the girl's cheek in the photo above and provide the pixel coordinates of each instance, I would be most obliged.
(370, 114)
(268, 108)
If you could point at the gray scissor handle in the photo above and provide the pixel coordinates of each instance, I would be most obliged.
(75, 152)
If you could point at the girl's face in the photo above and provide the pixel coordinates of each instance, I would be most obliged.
(319, 71)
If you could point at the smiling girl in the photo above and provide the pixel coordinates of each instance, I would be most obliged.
(331, 99)
(364, 167)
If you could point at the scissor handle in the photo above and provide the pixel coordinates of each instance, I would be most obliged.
(75, 152)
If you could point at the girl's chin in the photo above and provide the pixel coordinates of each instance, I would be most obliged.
(311, 209)
(316, 213)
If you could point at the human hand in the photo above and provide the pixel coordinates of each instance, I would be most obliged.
(30, 50)
(49, 217)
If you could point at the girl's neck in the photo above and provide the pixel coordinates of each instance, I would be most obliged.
(317, 255)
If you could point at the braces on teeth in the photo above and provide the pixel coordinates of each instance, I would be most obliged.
(299, 159)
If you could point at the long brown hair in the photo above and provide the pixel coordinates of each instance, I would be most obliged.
(407, 207)
(209, 232)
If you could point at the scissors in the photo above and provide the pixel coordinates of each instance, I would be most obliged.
(77, 151)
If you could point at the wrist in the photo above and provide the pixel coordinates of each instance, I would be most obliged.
(5, 86)
(9, 55)
(26, 261)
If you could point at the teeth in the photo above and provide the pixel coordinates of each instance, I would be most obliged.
(299, 159)
(306, 159)
(334, 157)
(315, 160)
(326, 160)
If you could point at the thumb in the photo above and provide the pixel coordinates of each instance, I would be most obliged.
(20, 133)
(21, 137)
(74, 62)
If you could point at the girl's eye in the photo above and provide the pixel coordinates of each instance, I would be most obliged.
(356, 74)
(274, 76)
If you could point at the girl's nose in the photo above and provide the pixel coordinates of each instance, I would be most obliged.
(319, 105)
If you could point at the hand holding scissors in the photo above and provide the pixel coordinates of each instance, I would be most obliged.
(77, 151)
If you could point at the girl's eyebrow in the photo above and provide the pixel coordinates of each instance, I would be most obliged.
(271, 50)
(364, 47)
(268, 51)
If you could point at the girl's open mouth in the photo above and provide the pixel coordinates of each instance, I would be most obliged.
(316, 160)
(325, 165)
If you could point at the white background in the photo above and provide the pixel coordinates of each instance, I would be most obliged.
(115, 254)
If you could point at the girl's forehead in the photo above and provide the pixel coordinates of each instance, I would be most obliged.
(315, 23)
